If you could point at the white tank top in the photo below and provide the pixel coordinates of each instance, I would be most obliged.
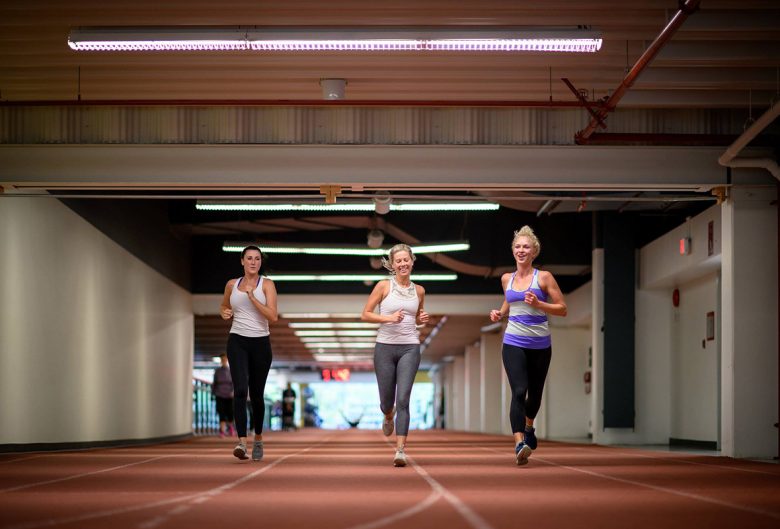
(247, 320)
(405, 299)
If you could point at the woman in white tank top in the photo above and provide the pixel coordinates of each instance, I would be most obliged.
(397, 351)
(250, 301)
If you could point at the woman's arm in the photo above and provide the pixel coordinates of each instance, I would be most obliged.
(498, 315)
(225, 309)
(268, 310)
(555, 304)
(376, 296)
(422, 316)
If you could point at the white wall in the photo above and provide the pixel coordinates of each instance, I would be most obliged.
(565, 411)
(695, 363)
(94, 344)
(653, 353)
(663, 345)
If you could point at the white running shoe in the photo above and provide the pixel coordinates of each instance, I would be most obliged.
(387, 424)
(400, 458)
(240, 451)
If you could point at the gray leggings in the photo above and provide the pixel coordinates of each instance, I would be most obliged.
(395, 366)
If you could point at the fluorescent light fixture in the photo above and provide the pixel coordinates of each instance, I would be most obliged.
(238, 246)
(340, 345)
(340, 339)
(358, 277)
(308, 315)
(325, 332)
(312, 38)
(157, 39)
(333, 325)
(342, 358)
(235, 205)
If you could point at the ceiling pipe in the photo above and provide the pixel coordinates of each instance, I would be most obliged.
(305, 103)
(686, 9)
(730, 158)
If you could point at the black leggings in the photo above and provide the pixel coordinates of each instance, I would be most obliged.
(526, 370)
(250, 361)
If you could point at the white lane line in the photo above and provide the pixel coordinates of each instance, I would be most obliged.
(122, 510)
(475, 520)
(432, 498)
(22, 459)
(76, 476)
(210, 494)
(658, 488)
(638, 453)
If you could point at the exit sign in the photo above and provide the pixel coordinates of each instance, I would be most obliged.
(336, 375)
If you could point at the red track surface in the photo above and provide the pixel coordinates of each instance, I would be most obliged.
(345, 480)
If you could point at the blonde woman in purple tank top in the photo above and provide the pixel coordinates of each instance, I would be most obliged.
(529, 296)
(397, 351)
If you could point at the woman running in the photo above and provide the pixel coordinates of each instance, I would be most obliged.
(397, 350)
(251, 301)
(530, 295)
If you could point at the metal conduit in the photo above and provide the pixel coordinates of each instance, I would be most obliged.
(686, 8)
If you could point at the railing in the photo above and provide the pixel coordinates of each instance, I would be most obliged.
(204, 412)
(205, 420)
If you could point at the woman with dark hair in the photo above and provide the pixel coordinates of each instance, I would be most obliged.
(250, 301)
(397, 350)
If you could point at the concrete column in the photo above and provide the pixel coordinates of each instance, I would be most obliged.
(491, 372)
(473, 391)
(749, 300)
(446, 386)
(458, 394)
(597, 341)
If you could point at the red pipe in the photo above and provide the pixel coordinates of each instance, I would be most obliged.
(660, 41)
(302, 103)
(636, 138)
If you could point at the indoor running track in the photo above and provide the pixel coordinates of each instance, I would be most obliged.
(345, 480)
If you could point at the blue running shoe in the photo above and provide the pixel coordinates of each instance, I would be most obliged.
(530, 437)
(522, 451)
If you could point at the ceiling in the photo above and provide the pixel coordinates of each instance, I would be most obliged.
(725, 56)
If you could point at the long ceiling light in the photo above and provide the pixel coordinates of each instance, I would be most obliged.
(238, 246)
(233, 205)
(377, 38)
(333, 325)
(358, 277)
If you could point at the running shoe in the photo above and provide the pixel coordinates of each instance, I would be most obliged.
(400, 458)
(387, 424)
(530, 437)
(240, 451)
(522, 451)
(257, 451)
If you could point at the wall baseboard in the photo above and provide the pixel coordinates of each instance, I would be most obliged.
(89, 445)
(692, 443)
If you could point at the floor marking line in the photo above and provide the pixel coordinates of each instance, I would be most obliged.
(475, 520)
(159, 503)
(84, 474)
(658, 488)
(432, 498)
(681, 461)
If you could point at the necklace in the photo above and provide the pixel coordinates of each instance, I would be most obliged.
(407, 292)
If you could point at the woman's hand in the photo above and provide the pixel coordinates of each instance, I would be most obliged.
(531, 299)
(423, 317)
(396, 317)
(495, 315)
(225, 313)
